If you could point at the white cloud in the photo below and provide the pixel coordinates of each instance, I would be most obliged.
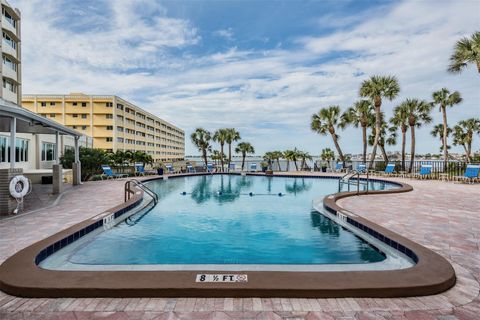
(224, 33)
(268, 95)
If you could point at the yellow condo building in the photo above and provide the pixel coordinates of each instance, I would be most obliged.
(113, 123)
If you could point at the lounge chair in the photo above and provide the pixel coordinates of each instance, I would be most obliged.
(108, 173)
(231, 167)
(425, 171)
(389, 170)
(471, 174)
(362, 168)
(253, 167)
(191, 169)
(170, 168)
(339, 167)
(140, 170)
(210, 167)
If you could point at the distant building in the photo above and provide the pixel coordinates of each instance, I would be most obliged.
(10, 69)
(113, 123)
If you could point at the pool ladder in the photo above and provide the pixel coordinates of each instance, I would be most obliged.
(129, 191)
(349, 179)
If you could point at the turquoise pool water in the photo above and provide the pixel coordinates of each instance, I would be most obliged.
(218, 221)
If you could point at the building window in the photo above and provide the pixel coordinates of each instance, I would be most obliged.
(120, 140)
(21, 149)
(74, 103)
(9, 18)
(48, 151)
(52, 115)
(69, 149)
(52, 103)
(120, 129)
(9, 62)
(84, 116)
(84, 104)
(119, 106)
(109, 104)
(109, 127)
(43, 104)
(74, 127)
(75, 115)
(8, 84)
(109, 139)
(109, 116)
(84, 127)
(9, 41)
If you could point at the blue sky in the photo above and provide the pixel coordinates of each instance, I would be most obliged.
(263, 67)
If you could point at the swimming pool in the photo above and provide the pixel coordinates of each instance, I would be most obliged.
(227, 221)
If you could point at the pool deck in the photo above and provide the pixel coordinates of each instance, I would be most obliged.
(443, 216)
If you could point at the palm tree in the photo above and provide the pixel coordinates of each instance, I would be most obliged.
(325, 122)
(445, 99)
(215, 156)
(359, 115)
(327, 155)
(400, 119)
(232, 136)
(467, 50)
(244, 148)
(276, 156)
(291, 155)
(376, 88)
(269, 156)
(418, 113)
(201, 139)
(221, 136)
(304, 156)
(463, 135)
(387, 135)
(438, 131)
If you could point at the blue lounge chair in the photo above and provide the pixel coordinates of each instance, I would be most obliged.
(389, 170)
(210, 167)
(169, 168)
(362, 168)
(108, 173)
(253, 167)
(471, 173)
(139, 169)
(339, 167)
(231, 167)
(425, 171)
(190, 169)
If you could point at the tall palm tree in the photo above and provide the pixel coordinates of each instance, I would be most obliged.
(418, 114)
(376, 88)
(327, 155)
(277, 155)
(438, 131)
(400, 119)
(221, 136)
(201, 139)
(232, 136)
(445, 99)
(387, 135)
(325, 122)
(244, 148)
(463, 135)
(269, 157)
(359, 115)
(467, 50)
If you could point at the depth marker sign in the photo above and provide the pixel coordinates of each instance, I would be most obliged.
(222, 278)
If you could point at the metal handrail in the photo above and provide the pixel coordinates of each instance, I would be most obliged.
(350, 175)
(142, 186)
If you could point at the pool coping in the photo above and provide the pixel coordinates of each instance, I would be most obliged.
(432, 274)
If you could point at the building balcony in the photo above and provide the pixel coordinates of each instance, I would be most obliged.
(6, 48)
(9, 73)
(100, 120)
(10, 96)
(8, 26)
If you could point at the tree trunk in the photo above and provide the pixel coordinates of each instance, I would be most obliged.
(204, 151)
(278, 163)
(288, 165)
(412, 149)
(445, 149)
(378, 124)
(404, 132)
(466, 152)
(296, 166)
(229, 155)
(340, 153)
(244, 154)
(364, 137)
(384, 154)
(221, 155)
(469, 150)
(478, 66)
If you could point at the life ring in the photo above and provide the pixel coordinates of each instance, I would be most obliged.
(19, 186)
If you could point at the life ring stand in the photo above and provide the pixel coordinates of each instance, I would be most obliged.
(19, 187)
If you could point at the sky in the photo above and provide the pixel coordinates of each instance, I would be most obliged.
(262, 67)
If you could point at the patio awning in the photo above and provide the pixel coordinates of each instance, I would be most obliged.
(30, 122)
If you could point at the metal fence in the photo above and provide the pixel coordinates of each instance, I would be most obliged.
(454, 168)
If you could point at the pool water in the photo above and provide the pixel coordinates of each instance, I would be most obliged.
(231, 219)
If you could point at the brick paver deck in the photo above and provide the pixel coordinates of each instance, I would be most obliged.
(444, 217)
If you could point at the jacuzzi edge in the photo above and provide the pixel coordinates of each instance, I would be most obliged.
(21, 276)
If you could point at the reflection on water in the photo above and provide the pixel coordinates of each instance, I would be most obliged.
(324, 225)
(299, 185)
